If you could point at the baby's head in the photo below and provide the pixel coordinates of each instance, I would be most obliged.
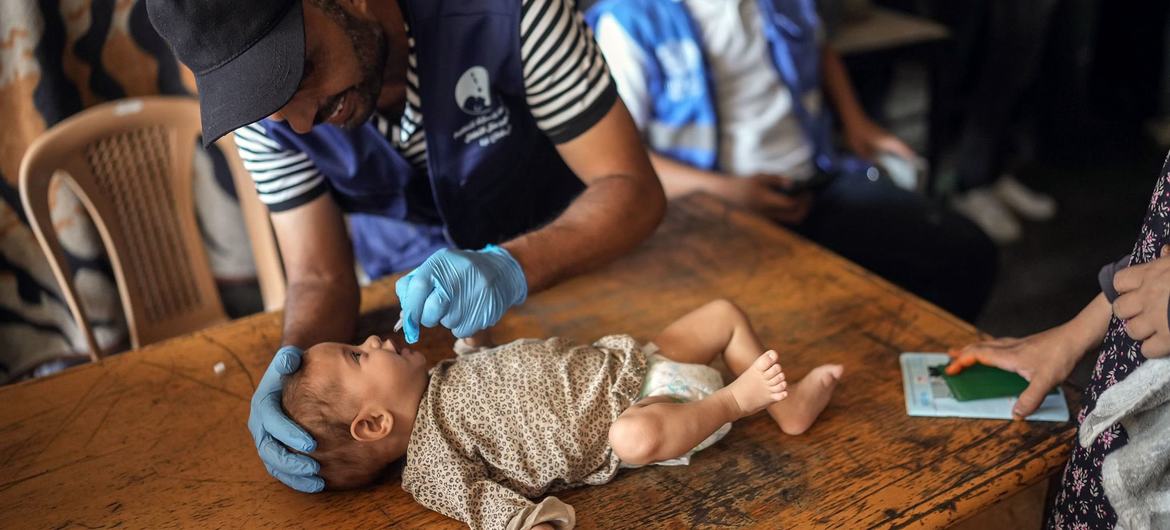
(359, 403)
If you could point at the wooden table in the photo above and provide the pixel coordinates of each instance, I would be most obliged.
(154, 438)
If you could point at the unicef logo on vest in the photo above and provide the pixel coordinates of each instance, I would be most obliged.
(489, 121)
(472, 92)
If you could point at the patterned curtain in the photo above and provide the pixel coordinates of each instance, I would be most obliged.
(58, 57)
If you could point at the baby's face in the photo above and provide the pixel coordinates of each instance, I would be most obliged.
(373, 372)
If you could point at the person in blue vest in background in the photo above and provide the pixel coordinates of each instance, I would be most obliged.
(728, 96)
(480, 143)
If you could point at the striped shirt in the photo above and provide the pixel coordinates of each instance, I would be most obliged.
(567, 87)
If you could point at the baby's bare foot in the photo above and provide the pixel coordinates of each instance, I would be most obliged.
(762, 384)
(809, 397)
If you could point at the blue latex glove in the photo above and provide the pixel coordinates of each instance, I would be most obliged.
(464, 290)
(272, 430)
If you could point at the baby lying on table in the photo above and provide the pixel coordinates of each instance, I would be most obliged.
(487, 431)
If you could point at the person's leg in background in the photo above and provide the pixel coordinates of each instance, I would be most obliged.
(907, 239)
(1013, 45)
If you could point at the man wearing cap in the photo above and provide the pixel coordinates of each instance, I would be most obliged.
(441, 128)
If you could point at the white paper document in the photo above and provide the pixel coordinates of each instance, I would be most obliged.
(928, 395)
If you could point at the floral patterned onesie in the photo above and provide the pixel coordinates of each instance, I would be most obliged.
(1080, 503)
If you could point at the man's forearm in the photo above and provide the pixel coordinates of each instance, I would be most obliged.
(609, 218)
(318, 311)
(322, 300)
(679, 179)
(840, 89)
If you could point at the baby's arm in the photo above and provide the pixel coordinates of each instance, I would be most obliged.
(483, 503)
(718, 326)
(444, 480)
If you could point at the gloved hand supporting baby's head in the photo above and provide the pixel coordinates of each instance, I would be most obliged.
(359, 402)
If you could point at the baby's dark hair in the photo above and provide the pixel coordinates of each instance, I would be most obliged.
(345, 463)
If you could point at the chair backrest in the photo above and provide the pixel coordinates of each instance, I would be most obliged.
(265, 252)
(130, 164)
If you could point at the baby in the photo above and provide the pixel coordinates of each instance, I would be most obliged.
(489, 430)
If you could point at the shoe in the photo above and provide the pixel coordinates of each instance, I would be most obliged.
(1030, 204)
(983, 208)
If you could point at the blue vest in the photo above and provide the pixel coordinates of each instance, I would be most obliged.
(683, 123)
(492, 173)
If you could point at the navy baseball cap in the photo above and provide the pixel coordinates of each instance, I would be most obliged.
(247, 56)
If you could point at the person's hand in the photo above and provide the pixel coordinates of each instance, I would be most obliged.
(464, 290)
(1143, 304)
(867, 139)
(1044, 360)
(273, 431)
(760, 194)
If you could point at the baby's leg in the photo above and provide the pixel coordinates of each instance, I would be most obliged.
(721, 326)
(806, 398)
(701, 335)
(659, 429)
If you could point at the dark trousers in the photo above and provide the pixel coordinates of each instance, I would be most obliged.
(1009, 50)
(906, 239)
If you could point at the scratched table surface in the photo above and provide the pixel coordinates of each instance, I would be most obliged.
(154, 438)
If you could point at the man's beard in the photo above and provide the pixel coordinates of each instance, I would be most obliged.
(371, 49)
(369, 44)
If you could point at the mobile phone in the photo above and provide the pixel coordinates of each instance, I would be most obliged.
(903, 173)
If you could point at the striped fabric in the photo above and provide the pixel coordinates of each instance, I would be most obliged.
(284, 178)
(565, 77)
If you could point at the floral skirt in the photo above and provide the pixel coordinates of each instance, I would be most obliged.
(1080, 501)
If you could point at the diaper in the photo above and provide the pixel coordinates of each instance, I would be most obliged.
(682, 382)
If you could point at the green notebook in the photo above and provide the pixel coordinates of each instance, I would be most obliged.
(984, 382)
